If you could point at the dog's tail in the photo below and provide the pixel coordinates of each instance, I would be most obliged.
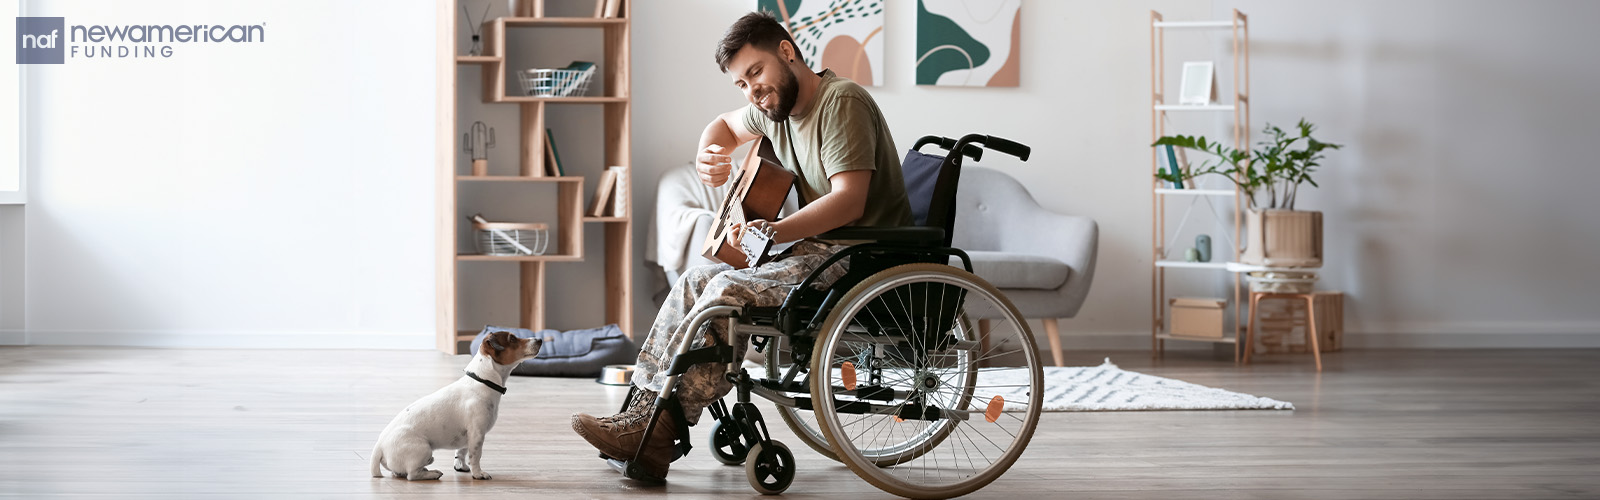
(377, 458)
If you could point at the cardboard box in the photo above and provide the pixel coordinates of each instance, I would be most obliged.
(1196, 317)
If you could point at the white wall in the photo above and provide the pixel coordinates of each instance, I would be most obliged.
(231, 195)
(268, 194)
(1455, 217)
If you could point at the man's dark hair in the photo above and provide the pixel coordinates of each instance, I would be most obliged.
(756, 29)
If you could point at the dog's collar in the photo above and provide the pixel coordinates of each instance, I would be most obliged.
(497, 387)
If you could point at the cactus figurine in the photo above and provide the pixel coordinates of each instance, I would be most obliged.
(1202, 244)
(477, 142)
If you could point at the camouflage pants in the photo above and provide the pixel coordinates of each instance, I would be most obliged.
(708, 286)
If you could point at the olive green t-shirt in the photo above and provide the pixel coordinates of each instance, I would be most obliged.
(841, 130)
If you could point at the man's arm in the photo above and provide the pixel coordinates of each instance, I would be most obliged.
(844, 203)
(722, 135)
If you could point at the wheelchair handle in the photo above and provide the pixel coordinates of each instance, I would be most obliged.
(949, 144)
(998, 143)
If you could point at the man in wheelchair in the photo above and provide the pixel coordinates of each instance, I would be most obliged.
(826, 129)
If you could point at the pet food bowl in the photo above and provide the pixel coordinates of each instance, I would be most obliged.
(616, 375)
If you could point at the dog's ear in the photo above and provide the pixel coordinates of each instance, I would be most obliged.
(498, 341)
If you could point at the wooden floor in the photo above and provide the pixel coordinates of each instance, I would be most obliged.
(145, 423)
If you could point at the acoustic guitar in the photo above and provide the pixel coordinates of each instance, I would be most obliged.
(757, 194)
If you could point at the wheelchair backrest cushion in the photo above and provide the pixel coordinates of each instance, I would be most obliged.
(921, 172)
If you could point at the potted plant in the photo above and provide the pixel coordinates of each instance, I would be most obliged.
(1277, 234)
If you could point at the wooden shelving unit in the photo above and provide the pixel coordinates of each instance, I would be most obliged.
(1240, 110)
(568, 231)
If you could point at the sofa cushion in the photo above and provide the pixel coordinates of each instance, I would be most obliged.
(1016, 270)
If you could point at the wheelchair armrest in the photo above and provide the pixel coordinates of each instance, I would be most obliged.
(915, 234)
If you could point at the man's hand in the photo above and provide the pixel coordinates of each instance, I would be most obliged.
(736, 230)
(714, 167)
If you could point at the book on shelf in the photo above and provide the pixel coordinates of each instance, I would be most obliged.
(1172, 167)
(613, 8)
(1183, 160)
(602, 194)
(619, 196)
(600, 8)
(552, 158)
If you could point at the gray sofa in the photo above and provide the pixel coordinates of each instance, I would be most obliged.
(1041, 260)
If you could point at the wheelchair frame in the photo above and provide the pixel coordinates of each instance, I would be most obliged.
(800, 317)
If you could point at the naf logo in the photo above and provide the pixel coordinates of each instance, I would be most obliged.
(40, 40)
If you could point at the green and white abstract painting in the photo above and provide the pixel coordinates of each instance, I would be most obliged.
(971, 43)
(843, 35)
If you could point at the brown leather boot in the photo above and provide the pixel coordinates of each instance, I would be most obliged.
(643, 402)
(619, 437)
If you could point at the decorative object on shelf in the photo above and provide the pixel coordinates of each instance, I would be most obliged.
(504, 238)
(571, 81)
(848, 40)
(477, 142)
(973, 43)
(514, 8)
(1202, 247)
(1199, 84)
(1191, 255)
(1278, 235)
(476, 29)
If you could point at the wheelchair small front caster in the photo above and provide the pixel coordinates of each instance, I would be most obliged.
(770, 467)
(727, 443)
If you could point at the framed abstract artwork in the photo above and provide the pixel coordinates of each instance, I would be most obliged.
(969, 43)
(843, 35)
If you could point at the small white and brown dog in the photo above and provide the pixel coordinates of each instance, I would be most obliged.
(455, 417)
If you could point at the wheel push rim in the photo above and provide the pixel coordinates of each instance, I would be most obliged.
(973, 437)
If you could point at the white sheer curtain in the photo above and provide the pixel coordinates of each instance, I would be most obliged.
(11, 186)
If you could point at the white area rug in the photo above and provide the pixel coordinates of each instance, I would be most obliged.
(1108, 388)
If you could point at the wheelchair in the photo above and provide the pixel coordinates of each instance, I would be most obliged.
(918, 375)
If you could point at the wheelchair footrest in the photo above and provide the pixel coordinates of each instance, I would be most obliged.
(634, 472)
(778, 385)
(908, 411)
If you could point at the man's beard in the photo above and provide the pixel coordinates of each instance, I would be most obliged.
(788, 92)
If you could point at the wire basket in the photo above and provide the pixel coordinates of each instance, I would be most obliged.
(556, 82)
(502, 238)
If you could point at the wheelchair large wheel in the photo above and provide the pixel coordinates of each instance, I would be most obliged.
(925, 405)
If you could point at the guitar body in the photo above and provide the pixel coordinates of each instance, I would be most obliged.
(757, 194)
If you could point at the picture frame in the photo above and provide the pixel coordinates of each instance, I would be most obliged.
(1198, 86)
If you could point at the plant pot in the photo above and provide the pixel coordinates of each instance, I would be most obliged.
(1283, 238)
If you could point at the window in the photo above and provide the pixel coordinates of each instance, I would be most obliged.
(11, 180)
